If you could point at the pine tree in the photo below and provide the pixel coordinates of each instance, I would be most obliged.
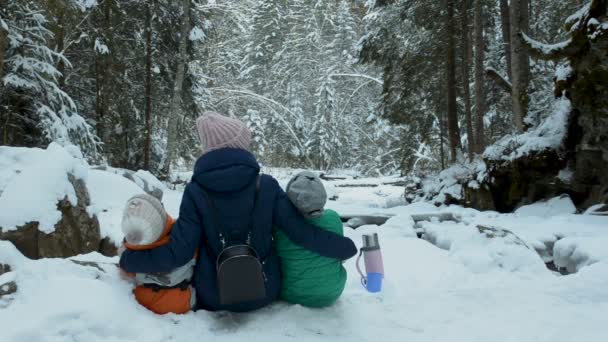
(32, 96)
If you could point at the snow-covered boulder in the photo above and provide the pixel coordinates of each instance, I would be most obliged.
(492, 248)
(462, 183)
(561, 205)
(574, 253)
(44, 201)
(109, 193)
(144, 179)
(7, 281)
(483, 248)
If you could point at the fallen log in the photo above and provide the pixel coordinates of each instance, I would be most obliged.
(356, 185)
(441, 217)
(332, 178)
(398, 183)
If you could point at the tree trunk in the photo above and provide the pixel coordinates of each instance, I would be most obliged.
(3, 41)
(520, 64)
(3, 48)
(60, 41)
(103, 65)
(466, 65)
(148, 88)
(442, 138)
(480, 96)
(453, 133)
(175, 110)
(506, 33)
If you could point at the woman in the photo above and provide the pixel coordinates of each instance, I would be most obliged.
(228, 173)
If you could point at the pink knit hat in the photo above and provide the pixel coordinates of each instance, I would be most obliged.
(217, 131)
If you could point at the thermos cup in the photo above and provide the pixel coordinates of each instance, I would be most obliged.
(374, 268)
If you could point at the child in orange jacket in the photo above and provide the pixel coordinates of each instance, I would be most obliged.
(147, 225)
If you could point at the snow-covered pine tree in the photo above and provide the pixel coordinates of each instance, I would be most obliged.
(346, 33)
(324, 142)
(267, 34)
(256, 124)
(36, 110)
(405, 40)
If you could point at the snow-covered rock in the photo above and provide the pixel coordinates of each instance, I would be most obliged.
(549, 135)
(561, 205)
(492, 248)
(109, 193)
(44, 202)
(144, 179)
(574, 253)
(32, 181)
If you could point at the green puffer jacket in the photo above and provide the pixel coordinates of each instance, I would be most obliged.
(308, 278)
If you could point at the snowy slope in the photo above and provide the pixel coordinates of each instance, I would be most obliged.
(430, 294)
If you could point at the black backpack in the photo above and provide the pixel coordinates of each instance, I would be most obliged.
(240, 273)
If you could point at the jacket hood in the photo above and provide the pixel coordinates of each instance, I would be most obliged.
(226, 170)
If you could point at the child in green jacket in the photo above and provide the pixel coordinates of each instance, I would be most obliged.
(308, 278)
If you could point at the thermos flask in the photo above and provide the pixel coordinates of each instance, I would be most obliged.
(374, 268)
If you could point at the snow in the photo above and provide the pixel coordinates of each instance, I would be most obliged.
(547, 49)
(565, 175)
(450, 181)
(86, 4)
(563, 71)
(578, 15)
(196, 34)
(548, 135)
(32, 181)
(574, 253)
(553, 207)
(142, 176)
(101, 48)
(109, 192)
(473, 288)
(597, 209)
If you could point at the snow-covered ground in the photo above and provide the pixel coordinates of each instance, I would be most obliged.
(470, 289)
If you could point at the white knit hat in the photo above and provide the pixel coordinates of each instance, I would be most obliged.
(217, 131)
(143, 220)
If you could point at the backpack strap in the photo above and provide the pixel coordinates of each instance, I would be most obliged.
(218, 223)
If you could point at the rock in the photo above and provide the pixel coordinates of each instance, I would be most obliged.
(9, 287)
(479, 198)
(584, 150)
(496, 233)
(598, 210)
(107, 247)
(89, 264)
(76, 232)
(525, 180)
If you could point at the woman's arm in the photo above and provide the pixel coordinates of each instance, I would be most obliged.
(313, 238)
(185, 240)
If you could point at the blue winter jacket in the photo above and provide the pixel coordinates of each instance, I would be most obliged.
(229, 176)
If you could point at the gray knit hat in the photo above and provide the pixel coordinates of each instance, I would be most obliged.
(307, 193)
(143, 220)
(217, 131)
